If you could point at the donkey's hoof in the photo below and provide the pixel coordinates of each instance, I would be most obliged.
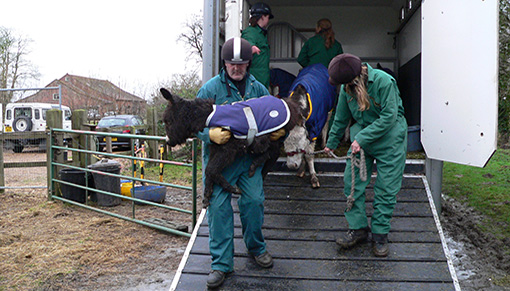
(205, 203)
(300, 174)
(315, 182)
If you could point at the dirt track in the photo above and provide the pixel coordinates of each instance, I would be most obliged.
(47, 245)
(479, 258)
(25, 176)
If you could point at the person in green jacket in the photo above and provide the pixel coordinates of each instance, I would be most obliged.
(322, 47)
(234, 83)
(256, 34)
(372, 99)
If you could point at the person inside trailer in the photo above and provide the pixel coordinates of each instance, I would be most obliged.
(256, 35)
(322, 47)
(234, 83)
(372, 99)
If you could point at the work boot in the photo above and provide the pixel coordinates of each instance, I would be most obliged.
(380, 245)
(264, 260)
(215, 278)
(353, 237)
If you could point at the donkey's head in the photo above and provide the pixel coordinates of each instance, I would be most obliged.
(295, 146)
(175, 127)
(184, 118)
(297, 141)
(300, 96)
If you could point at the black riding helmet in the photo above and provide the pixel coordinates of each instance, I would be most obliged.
(259, 9)
(236, 51)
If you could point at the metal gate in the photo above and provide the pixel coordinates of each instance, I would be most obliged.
(85, 153)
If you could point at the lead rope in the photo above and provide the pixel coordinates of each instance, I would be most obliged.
(359, 163)
(355, 163)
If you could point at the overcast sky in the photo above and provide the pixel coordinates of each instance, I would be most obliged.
(130, 43)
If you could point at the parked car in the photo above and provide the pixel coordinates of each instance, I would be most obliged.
(30, 117)
(120, 124)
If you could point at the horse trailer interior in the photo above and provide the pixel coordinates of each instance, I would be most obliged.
(444, 55)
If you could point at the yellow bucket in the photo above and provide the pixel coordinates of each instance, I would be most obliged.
(125, 188)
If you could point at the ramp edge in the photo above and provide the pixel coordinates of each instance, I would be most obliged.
(187, 252)
(441, 235)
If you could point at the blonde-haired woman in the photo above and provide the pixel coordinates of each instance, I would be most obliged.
(322, 47)
(372, 99)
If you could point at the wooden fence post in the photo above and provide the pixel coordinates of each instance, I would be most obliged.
(2, 169)
(79, 119)
(53, 120)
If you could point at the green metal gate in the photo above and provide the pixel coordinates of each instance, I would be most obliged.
(57, 163)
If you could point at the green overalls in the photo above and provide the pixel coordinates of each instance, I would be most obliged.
(314, 51)
(259, 67)
(220, 215)
(381, 131)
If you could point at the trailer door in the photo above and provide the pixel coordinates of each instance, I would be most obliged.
(459, 111)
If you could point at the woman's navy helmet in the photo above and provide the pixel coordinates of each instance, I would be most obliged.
(259, 9)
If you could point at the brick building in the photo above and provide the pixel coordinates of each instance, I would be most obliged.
(99, 97)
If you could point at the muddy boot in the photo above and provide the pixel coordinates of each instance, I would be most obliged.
(380, 245)
(352, 237)
(215, 279)
(264, 260)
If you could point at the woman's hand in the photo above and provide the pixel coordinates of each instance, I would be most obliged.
(355, 147)
(255, 50)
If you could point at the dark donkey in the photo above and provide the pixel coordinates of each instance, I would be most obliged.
(185, 118)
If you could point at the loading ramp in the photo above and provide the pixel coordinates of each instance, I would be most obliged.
(300, 227)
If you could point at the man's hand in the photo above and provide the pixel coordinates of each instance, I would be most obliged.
(275, 135)
(219, 135)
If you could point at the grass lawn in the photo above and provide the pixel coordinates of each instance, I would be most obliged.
(485, 189)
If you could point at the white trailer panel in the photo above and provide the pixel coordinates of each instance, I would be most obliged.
(459, 109)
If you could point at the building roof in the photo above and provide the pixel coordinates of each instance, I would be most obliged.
(83, 92)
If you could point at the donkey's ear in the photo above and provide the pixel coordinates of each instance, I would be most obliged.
(167, 95)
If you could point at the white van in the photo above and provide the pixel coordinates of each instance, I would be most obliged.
(30, 117)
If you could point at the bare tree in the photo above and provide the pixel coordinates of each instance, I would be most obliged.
(15, 69)
(192, 37)
(185, 85)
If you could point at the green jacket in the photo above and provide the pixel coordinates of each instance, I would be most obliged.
(314, 51)
(259, 67)
(386, 110)
(216, 88)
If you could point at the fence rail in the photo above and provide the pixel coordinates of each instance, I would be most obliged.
(54, 183)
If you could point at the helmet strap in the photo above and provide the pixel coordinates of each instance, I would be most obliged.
(240, 85)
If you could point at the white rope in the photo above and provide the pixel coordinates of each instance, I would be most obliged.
(355, 163)
(359, 163)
